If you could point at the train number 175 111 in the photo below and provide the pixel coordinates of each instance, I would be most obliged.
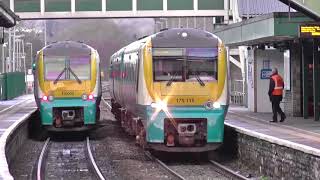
(185, 100)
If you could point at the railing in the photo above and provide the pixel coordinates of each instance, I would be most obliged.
(238, 93)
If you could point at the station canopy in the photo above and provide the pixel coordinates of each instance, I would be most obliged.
(269, 28)
(7, 17)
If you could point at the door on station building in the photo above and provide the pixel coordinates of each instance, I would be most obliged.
(308, 94)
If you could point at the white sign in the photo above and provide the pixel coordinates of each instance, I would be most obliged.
(287, 71)
(30, 78)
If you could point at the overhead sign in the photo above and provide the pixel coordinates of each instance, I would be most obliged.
(309, 31)
(168, 52)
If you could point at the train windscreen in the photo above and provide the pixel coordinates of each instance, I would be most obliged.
(185, 64)
(67, 67)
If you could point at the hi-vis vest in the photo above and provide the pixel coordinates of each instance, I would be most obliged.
(278, 85)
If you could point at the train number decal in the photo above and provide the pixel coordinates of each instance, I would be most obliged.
(68, 93)
(184, 100)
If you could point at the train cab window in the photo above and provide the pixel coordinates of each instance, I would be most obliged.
(53, 66)
(193, 64)
(202, 64)
(81, 67)
(168, 68)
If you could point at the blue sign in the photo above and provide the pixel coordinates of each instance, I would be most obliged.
(265, 73)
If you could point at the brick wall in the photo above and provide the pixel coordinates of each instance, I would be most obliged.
(272, 160)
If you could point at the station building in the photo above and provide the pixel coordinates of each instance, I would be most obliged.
(272, 40)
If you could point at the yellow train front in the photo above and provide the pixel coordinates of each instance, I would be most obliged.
(170, 90)
(67, 86)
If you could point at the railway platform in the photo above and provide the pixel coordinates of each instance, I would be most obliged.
(296, 131)
(287, 150)
(12, 114)
(13, 110)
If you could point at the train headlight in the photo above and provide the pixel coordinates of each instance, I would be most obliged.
(184, 35)
(216, 105)
(45, 98)
(160, 105)
(84, 97)
(212, 105)
(90, 97)
(50, 98)
(208, 105)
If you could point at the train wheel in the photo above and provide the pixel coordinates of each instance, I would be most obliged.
(143, 142)
(142, 139)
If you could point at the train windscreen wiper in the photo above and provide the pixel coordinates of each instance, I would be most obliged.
(199, 80)
(171, 79)
(59, 76)
(74, 74)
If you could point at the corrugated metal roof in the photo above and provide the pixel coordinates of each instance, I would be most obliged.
(259, 7)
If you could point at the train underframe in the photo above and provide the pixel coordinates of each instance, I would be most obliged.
(179, 134)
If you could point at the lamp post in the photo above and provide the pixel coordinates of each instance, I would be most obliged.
(3, 58)
(25, 73)
(45, 33)
(28, 43)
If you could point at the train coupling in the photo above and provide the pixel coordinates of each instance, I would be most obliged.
(68, 114)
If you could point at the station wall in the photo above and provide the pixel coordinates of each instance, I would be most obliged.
(259, 61)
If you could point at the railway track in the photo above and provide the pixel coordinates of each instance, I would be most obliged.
(67, 160)
(205, 170)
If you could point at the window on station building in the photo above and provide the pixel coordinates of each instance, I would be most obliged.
(26, 5)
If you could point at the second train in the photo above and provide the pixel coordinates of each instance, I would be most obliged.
(170, 90)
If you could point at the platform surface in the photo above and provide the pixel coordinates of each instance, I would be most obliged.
(13, 110)
(12, 113)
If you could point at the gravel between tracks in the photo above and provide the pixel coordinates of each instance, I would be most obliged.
(117, 152)
(68, 160)
(193, 171)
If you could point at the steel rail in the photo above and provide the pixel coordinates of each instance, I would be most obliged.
(41, 160)
(228, 171)
(109, 106)
(149, 155)
(93, 162)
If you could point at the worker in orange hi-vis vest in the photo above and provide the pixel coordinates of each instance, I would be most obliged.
(275, 94)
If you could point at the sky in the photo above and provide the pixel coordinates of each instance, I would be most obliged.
(105, 35)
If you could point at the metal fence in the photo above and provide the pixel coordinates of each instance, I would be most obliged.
(238, 93)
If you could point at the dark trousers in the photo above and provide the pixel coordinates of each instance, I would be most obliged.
(275, 100)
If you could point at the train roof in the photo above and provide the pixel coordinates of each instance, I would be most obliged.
(175, 38)
(64, 45)
(184, 37)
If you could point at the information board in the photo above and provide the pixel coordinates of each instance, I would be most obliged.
(309, 31)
